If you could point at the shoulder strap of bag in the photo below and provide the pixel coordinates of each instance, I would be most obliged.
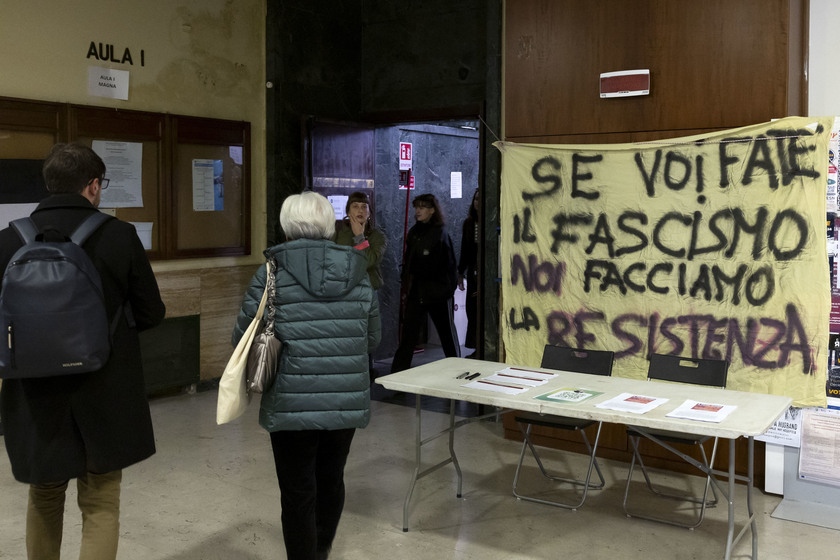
(81, 234)
(269, 288)
(261, 308)
(25, 228)
(88, 226)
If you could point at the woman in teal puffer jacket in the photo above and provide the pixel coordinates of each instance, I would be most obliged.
(327, 318)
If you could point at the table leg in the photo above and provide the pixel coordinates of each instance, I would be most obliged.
(417, 447)
(419, 442)
(452, 455)
(731, 501)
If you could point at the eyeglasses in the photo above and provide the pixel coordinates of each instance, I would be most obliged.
(103, 182)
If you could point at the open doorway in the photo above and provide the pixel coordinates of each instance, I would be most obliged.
(343, 157)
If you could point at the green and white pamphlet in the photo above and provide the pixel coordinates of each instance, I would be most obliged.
(568, 395)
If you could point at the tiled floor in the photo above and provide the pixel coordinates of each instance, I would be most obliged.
(210, 493)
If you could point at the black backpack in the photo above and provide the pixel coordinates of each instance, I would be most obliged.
(52, 307)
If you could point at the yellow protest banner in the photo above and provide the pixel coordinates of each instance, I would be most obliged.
(709, 246)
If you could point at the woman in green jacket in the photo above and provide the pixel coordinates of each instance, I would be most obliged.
(360, 234)
(327, 318)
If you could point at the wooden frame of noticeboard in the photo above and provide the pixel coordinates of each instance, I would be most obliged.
(89, 124)
(171, 145)
(226, 230)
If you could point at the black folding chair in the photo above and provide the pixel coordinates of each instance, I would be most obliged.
(682, 370)
(595, 362)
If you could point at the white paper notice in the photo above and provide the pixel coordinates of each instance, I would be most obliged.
(786, 430)
(705, 412)
(144, 232)
(455, 190)
(819, 455)
(208, 185)
(124, 170)
(339, 204)
(9, 212)
(628, 402)
(107, 82)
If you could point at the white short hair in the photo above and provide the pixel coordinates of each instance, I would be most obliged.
(307, 215)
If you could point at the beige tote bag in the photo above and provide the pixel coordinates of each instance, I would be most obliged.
(233, 396)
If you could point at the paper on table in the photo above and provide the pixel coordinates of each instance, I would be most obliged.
(705, 412)
(569, 395)
(499, 387)
(522, 376)
(628, 402)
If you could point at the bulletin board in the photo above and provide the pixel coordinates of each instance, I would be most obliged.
(212, 201)
(170, 152)
(146, 130)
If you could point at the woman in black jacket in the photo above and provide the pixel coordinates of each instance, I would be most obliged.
(430, 275)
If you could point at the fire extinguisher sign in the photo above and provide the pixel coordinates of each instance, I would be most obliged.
(405, 156)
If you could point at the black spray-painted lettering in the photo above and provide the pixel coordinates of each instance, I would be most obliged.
(789, 150)
(681, 236)
(801, 227)
(540, 176)
(578, 176)
(685, 219)
(787, 161)
(543, 277)
(562, 221)
(638, 234)
(762, 342)
(523, 231)
(560, 325)
(700, 282)
(529, 320)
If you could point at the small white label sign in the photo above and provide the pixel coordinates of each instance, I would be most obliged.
(107, 82)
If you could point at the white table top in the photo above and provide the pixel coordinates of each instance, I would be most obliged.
(754, 414)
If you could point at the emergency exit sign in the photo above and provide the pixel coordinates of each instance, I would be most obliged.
(405, 156)
(406, 182)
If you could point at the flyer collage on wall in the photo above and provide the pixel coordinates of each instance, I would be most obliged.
(832, 385)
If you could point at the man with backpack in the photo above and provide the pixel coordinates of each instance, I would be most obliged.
(86, 425)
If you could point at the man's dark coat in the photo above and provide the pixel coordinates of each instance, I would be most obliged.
(58, 428)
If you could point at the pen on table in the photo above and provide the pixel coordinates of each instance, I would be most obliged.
(519, 377)
(473, 376)
(529, 370)
(463, 375)
(499, 384)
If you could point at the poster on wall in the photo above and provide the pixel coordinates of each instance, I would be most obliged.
(124, 170)
(709, 246)
(208, 185)
(339, 204)
(786, 430)
(819, 453)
